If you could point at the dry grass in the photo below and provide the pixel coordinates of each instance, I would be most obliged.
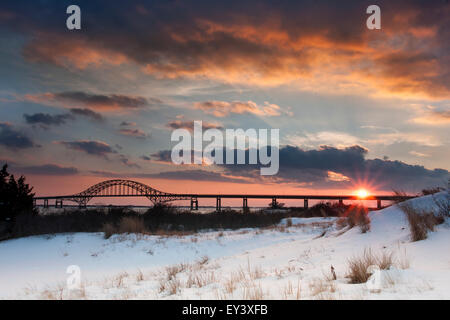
(319, 286)
(420, 221)
(172, 271)
(108, 229)
(289, 222)
(253, 292)
(132, 225)
(359, 265)
(289, 291)
(230, 286)
(173, 286)
(355, 216)
(139, 276)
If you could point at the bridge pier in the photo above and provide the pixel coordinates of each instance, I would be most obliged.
(194, 204)
(274, 203)
(341, 202)
(46, 203)
(218, 204)
(305, 203)
(378, 204)
(58, 203)
(244, 205)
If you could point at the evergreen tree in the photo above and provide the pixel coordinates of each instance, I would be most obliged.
(16, 196)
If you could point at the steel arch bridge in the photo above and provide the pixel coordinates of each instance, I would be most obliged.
(122, 188)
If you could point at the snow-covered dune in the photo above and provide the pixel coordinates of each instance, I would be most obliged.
(272, 263)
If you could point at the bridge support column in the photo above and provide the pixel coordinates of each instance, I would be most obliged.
(34, 202)
(378, 204)
(244, 205)
(305, 203)
(58, 203)
(45, 203)
(218, 204)
(194, 204)
(274, 203)
(341, 202)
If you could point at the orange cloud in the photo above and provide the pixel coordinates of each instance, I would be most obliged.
(223, 108)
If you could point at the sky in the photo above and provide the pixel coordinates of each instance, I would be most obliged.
(355, 107)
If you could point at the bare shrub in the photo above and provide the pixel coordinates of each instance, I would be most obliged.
(359, 265)
(203, 260)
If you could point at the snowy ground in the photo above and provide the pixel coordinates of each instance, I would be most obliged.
(274, 263)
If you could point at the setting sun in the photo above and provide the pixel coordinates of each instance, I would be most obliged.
(362, 193)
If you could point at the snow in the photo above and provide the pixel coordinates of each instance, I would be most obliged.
(283, 262)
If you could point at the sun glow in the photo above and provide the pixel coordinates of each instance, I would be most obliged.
(362, 193)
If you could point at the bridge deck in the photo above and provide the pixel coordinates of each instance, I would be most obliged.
(242, 196)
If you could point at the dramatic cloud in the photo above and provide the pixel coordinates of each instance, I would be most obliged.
(46, 119)
(332, 167)
(99, 102)
(189, 125)
(12, 138)
(317, 46)
(223, 108)
(96, 148)
(345, 167)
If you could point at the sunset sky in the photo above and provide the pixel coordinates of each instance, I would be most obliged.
(355, 107)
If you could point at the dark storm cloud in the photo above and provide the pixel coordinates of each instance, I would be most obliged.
(333, 167)
(46, 119)
(96, 148)
(12, 138)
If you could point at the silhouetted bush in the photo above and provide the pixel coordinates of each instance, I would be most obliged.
(160, 219)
